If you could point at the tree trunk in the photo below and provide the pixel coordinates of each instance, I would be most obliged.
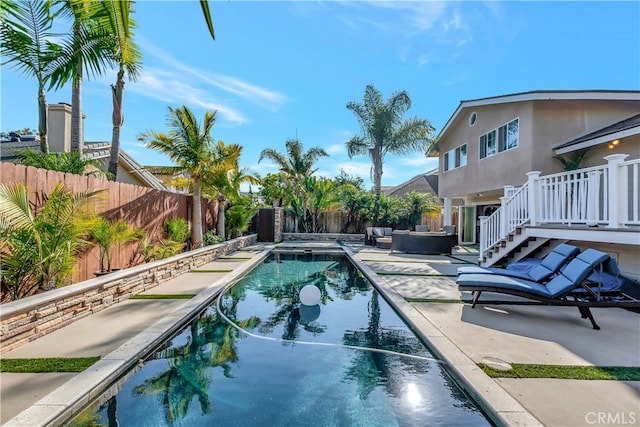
(220, 231)
(376, 157)
(117, 119)
(42, 119)
(196, 215)
(76, 111)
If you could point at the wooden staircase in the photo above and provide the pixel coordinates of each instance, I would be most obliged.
(516, 246)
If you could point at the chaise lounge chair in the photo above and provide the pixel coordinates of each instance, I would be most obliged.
(567, 288)
(545, 269)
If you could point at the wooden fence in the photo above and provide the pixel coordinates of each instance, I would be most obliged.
(142, 207)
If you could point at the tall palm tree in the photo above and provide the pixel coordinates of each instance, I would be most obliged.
(296, 165)
(89, 47)
(27, 43)
(118, 22)
(384, 131)
(189, 144)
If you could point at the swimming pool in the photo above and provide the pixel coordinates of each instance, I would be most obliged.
(258, 357)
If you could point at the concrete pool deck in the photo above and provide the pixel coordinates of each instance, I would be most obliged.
(460, 335)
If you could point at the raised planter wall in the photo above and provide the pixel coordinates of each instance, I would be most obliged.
(27, 319)
(323, 237)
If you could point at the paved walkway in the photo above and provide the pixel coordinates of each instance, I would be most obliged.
(462, 335)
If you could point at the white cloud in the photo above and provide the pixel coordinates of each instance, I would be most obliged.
(418, 161)
(354, 168)
(336, 149)
(168, 84)
(171, 88)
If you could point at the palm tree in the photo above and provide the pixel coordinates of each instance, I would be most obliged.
(190, 145)
(384, 131)
(26, 40)
(119, 23)
(89, 46)
(224, 177)
(296, 165)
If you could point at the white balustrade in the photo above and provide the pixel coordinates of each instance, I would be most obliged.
(606, 195)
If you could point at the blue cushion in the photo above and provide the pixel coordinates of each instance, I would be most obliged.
(495, 271)
(501, 282)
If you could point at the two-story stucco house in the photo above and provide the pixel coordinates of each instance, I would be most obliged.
(490, 148)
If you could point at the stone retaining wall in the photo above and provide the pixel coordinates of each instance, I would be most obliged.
(323, 237)
(27, 319)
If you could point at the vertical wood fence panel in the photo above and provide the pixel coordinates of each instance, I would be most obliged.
(142, 207)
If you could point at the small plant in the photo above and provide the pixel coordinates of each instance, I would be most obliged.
(211, 238)
(177, 229)
(107, 234)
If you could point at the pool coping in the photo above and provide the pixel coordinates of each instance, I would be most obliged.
(103, 379)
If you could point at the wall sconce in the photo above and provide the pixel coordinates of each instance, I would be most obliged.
(613, 144)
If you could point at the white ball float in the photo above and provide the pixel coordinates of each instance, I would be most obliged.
(310, 295)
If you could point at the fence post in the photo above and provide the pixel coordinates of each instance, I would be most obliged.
(533, 196)
(483, 236)
(505, 217)
(617, 189)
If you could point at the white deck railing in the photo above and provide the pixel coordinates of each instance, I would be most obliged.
(607, 195)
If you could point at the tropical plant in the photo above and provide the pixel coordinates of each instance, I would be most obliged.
(296, 165)
(415, 205)
(384, 131)
(274, 190)
(239, 216)
(223, 177)
(27, 43)
(69, 162)
(39, 251)
(574, 161)
(355, 202)
(189, 145)
(177, 229)
(107, 234)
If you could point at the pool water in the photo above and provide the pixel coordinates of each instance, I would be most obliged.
(258, 357)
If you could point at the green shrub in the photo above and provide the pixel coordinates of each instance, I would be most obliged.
(211, 238)
(177, 229)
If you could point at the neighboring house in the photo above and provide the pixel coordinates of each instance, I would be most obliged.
(424, 183)
(59, 138)
(489, 146)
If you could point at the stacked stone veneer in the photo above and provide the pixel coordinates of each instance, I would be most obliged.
(323, 237)
(278, 224)
(27, 319)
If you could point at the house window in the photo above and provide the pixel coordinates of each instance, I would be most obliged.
(455, 158)
(501, 139)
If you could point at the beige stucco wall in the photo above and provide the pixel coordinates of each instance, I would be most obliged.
(542, 126)
(59, 128)
(595, 155)
(481, 176)
(561, 121)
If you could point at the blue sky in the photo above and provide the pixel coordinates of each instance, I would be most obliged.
(280, 70)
